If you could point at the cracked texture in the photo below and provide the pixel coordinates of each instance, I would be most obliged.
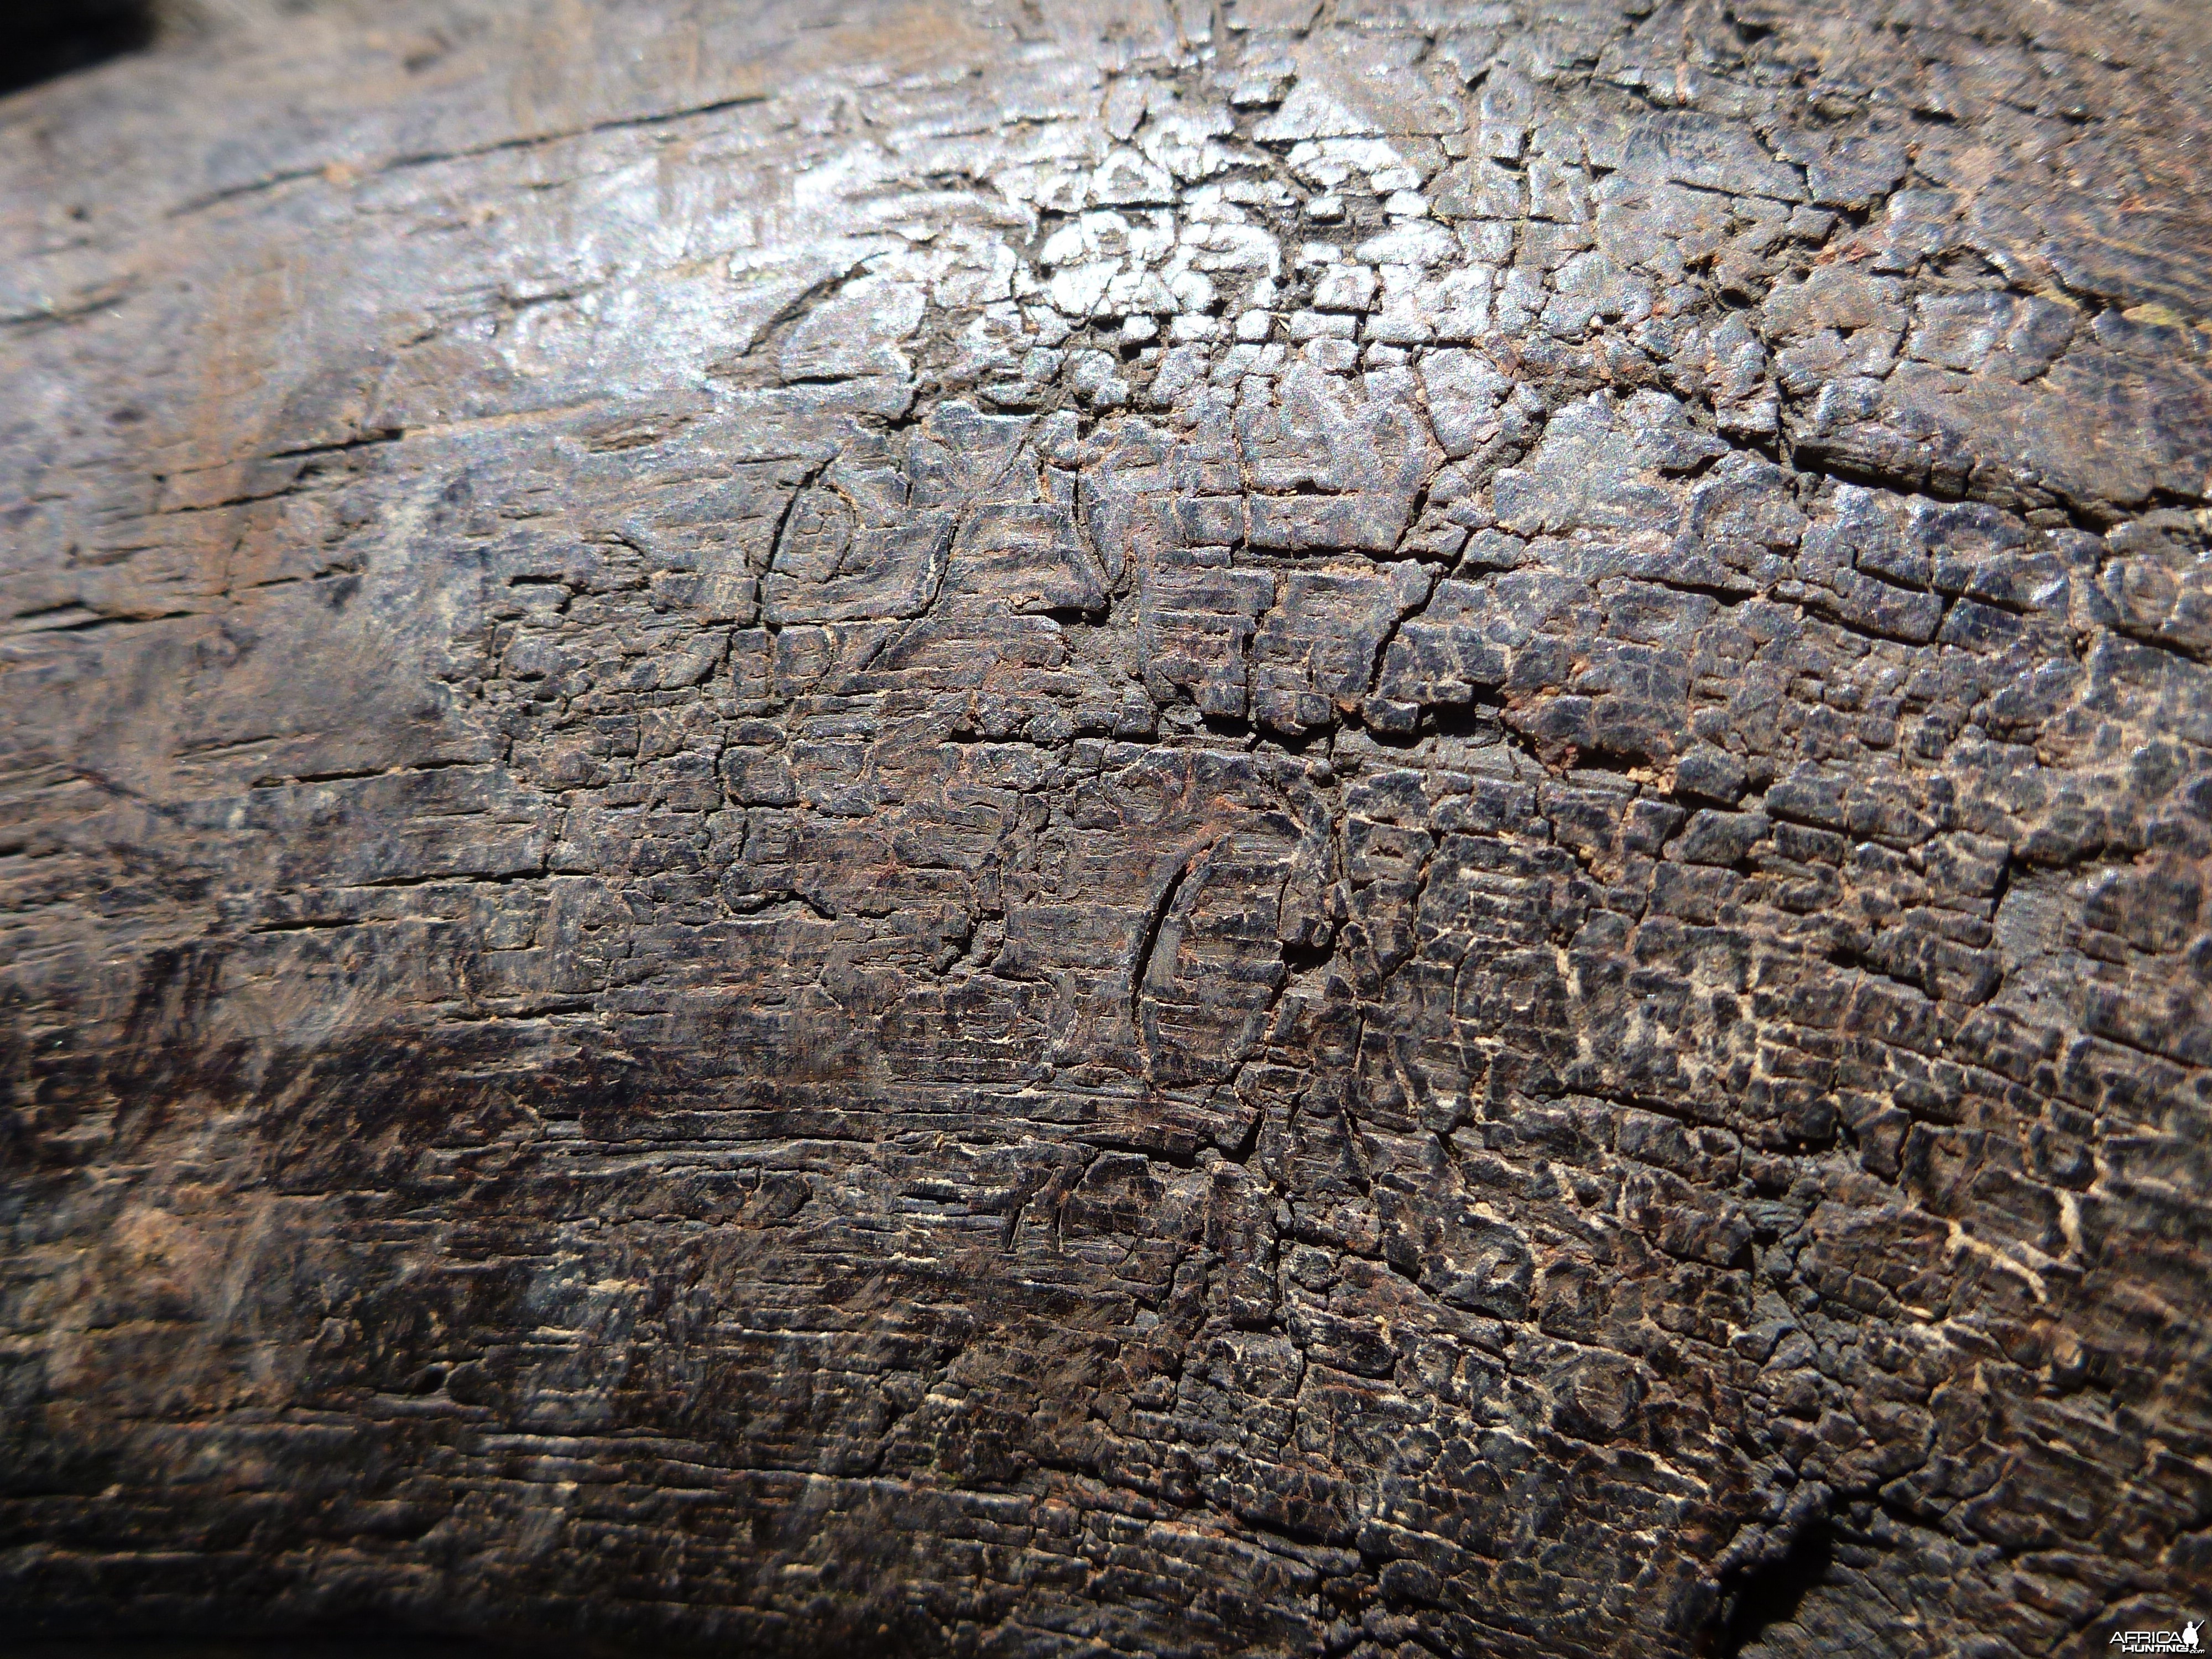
(1352, 827)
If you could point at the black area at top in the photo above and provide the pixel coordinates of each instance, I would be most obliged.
(314, 1644)
(42, 39)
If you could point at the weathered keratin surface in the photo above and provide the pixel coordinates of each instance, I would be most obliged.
(1077, 826)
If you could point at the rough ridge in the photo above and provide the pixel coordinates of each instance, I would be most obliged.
(1357, 828)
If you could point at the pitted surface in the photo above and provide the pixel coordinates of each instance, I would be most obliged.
(1357, 828)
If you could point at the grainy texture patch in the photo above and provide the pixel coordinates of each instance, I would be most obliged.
(1339, 827)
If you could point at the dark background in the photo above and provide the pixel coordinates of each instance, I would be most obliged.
(41, 38)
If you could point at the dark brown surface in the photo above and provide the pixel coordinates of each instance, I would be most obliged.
(1372, 828)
